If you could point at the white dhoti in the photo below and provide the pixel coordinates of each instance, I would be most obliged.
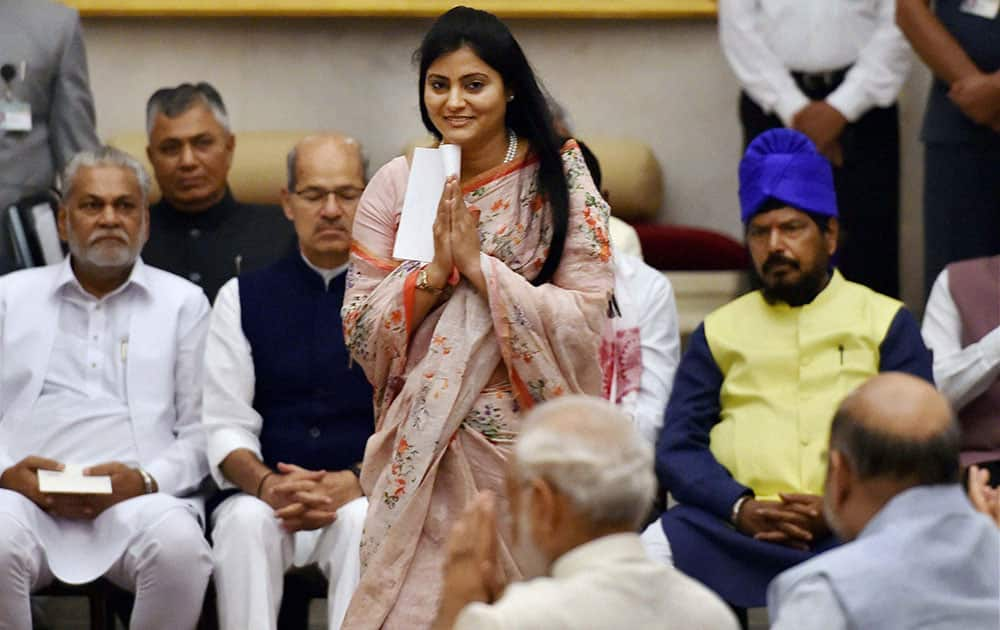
(152, 545)
(252, 554)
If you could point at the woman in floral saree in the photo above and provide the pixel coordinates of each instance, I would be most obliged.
(510, 312)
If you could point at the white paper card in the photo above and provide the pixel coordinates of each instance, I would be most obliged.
(428, 171)
(71, 480)
(983, 8)
(15, 116)
(451, 158)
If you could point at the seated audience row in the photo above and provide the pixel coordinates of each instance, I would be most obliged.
(116, 367)
(746, 427)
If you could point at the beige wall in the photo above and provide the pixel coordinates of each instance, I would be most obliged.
(662, 81)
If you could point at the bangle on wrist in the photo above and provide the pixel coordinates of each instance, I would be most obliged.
(260, 484)
(423, 282)
(147, 481)
(735, 515)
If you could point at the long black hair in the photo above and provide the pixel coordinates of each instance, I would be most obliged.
(528, 114)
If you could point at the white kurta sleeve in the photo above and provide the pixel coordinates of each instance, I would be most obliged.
(661, 347)
(230, 419)
(880, 70)
(180, 468)
(760, 72)
(962, 374)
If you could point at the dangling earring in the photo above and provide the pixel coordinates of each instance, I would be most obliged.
(510, 97)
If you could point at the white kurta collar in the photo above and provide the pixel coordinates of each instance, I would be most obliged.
(66, 278)
(327, 274)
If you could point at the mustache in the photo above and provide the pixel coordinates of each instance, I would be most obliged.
(119, 234)
(325, 225)
(777, 259)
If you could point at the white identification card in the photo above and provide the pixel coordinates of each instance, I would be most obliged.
(428, 171)
(983, 8)
(71, 480)
(15, 116)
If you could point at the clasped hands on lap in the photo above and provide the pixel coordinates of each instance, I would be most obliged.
(795, 521)
(22, 477)
(305, 500)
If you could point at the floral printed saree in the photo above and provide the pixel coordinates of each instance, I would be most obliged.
(449, 391)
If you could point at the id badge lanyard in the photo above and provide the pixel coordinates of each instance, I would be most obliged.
(15, 115)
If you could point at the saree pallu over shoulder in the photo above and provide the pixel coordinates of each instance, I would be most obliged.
(438, 439)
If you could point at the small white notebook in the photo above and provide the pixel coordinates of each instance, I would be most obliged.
(71, 480)
(428, 171)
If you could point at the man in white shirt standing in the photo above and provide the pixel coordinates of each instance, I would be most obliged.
(962, 327)
(579, 484)
(287, 413)
(100, 367)
(831, 69)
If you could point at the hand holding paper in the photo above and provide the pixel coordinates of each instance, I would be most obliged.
(71, 480)
(428, 171)
(22, 478)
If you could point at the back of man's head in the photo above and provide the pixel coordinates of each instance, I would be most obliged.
(893, 433)
(590, 453)
(174, 101)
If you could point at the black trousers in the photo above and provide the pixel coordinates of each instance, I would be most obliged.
(961, 205)
(867, 192)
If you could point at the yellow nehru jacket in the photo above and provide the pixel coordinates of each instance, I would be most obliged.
(785, 371)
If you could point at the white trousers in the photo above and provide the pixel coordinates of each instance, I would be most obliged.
(252, 553)
(167, 565)
(655, 542)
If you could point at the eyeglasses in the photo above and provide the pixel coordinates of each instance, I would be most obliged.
(316, 197)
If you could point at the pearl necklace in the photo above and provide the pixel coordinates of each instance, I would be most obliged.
(511, 146)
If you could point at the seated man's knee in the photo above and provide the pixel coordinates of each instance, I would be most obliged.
(246, 518)
(178, 540)
(15, 546)
(655, 542)
(353, 513)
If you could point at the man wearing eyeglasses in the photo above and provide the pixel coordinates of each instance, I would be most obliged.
(198, 230)
(287, 414)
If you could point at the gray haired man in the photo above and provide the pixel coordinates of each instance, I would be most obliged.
(100, 380)
(198, 230)
(919, 555)
(579, 484)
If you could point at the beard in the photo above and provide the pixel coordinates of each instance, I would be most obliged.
(530, 559)
(102, 252)
(798, 293)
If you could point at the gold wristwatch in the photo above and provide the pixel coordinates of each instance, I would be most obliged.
(424, 284)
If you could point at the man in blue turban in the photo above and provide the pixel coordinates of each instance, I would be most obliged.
(743, 442)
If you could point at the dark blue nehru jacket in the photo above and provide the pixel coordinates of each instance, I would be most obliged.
(316, 407)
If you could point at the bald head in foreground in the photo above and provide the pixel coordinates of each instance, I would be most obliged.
(920, 555)
(579, 484)
(287, 413)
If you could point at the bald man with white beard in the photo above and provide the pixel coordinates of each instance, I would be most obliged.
(579, 483)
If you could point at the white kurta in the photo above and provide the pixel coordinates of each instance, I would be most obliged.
(87, 381)
(648, 318)
(607, 583)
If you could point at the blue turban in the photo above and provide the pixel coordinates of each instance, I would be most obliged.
(783, 164)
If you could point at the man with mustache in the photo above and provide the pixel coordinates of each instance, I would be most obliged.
(579, 484)
(919, 555)
(746, 425)
(100, 368)
(287, 413)
(199, 230)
